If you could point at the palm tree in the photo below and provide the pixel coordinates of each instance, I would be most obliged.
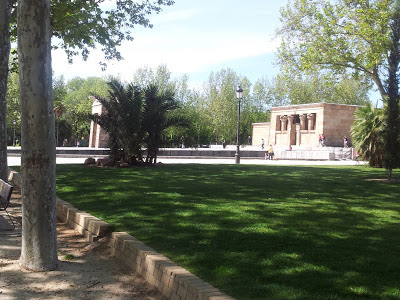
(121, 120)
(367, 134)
(158, 116)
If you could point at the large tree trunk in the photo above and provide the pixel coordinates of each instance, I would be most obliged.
(38, 159)
(5, 14)
(392, 136)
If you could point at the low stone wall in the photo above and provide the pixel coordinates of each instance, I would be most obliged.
(216, 151)
(90, 227)
(305, 155)
(207, 153)
(173, 281)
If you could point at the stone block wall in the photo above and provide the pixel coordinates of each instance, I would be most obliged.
(261, 131)
(337, 122)
(170, 279)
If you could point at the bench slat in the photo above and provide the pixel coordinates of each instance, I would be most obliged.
(5, 194)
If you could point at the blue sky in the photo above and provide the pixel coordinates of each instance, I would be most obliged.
(195, 38)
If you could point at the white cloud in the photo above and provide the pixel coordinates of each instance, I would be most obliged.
(188, 39)
(196, 54)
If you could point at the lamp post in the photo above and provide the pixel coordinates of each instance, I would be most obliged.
(239, 96)
(14, 122)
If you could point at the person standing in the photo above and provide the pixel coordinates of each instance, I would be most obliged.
(249, 140)
(322, 140)
(345, 142)
(262, 144)
(270, 153)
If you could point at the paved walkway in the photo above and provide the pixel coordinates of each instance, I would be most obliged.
(16, 161)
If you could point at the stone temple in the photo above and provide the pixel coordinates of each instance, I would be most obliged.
(300, 125)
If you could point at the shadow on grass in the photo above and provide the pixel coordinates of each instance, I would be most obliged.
(256, 232)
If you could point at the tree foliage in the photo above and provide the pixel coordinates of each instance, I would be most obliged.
(81, 26)
(339, 35)
(122, 121)
(157, 117)
(77, 27)
(392, 117)
(77, 104)
(135, 117)
(367, 134)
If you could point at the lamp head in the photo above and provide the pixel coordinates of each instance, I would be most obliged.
(239, 92)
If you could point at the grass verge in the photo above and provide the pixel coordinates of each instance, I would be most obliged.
(256, 232)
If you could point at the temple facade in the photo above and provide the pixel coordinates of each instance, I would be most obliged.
(301, 125)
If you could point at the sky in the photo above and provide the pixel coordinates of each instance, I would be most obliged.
(195, 38)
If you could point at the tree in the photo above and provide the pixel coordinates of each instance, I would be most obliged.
(13, 109)
(77, 27)
(77, 105)
(157, 117)
(5, 47)
(122, 121)
(135, 116)
(160, 77)
(59, 93)
(358, 37)
(222, 104)
(339, 35)
(38, 156)
(392, 118)
(270, 93)
(367, 134)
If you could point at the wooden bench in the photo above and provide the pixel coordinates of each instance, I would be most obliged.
(5, 195)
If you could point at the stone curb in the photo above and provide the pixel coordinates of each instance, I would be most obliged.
(173, 281)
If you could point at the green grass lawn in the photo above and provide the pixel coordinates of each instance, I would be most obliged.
(256, 232)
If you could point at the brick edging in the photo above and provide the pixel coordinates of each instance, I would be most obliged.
(173, 281)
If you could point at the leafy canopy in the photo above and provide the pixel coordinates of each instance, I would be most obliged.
(79, 26)
(339, 35)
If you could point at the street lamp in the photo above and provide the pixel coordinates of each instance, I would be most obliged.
(14, 122)
(239, 96)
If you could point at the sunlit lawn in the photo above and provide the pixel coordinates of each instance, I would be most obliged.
(256, 232)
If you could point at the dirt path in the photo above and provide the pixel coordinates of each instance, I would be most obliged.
(86, 271)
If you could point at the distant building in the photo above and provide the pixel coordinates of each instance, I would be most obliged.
(301, 125)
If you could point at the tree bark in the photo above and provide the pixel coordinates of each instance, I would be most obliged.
(38, 158)
(392, 135)
(5, 47)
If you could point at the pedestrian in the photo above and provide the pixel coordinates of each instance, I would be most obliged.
(270, 153)
(249, 140)
(183, 142)
(262, 144)
(345, 142)
(322, 140)
(224, 144)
